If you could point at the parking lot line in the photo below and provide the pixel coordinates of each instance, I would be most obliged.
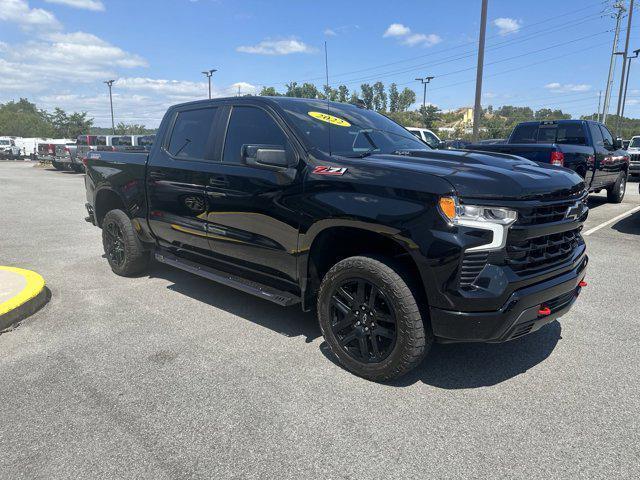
(610, 221)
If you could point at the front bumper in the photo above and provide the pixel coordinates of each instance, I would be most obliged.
(634, 168)
(517, 317)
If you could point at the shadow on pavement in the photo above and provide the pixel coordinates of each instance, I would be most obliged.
(629, 225)
(289, 321)
(451, 366)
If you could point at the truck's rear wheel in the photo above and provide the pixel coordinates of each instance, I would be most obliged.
(370, 319)
(615, 193)
(124, 250)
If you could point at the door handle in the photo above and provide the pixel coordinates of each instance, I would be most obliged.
(157, 175)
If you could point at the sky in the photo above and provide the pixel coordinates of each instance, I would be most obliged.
(543, 54)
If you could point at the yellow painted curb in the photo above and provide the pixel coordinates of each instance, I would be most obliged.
(26, 301)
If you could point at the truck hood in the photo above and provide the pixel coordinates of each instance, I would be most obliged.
(486, 175)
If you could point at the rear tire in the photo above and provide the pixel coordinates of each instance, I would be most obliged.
(124, 250)
(57, 166)
(77, 168)
(351, 322)
(615, 193)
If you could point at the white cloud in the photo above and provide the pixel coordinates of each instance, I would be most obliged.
(18, 12)
(277, 47)
(245, 88)
(94, 5)
(507, 25)
(397, 30)
(567, 87)
(329, 32)
(407, 37)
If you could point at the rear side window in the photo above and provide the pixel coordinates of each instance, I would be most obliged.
(124, 141)
(571, 134)
(596, 134)
(608, 138)
(525, 133)
(191, 134)
(146, 141)
(101, 140)
(431, 139)
(250, 126)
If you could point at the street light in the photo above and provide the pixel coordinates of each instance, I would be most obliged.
(113, 125)
(424, 81)
(626, 81)
(208, 74)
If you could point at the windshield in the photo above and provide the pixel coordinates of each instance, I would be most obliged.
(348, 130)
(5, 142)
(635, 142)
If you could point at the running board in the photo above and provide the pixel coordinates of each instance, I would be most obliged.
(259, 290)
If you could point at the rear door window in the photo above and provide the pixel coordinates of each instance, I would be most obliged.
(597, 135)
(525, 133)
(191, 137)
(608, 138)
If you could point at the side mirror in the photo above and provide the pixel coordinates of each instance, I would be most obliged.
(442, 145)
(266, 156)
(617, 143)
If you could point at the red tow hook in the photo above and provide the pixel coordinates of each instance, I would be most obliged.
(543, 311)
(583, 284)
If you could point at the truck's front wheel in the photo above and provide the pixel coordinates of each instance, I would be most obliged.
(124, 250)
(371, 320)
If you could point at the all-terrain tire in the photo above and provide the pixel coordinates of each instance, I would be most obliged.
(615, 193)
(413, 339)
(129, 257)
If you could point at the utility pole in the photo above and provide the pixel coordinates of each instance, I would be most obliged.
(238, 90)
(612, 64)
(625, 55)
(626, 82)
(208, 74)
(113, 125)
(599, 103)
(425, 81)
(477, 108)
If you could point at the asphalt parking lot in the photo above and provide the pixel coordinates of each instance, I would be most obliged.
(172, 376)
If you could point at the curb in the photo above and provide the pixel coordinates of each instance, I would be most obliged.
(24, 301)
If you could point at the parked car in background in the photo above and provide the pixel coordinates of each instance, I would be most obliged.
(66, 158)
(427, 136)
(456, 144)
(9, 149)
(625, 144)
(394, 244)
(87, 143)
(584, 146)
(491, 141)
(634, 156)
(144, 142)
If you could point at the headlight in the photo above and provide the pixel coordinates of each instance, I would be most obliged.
(496, 219)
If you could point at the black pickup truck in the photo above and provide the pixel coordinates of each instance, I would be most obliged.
(584, 146)
(338, 208)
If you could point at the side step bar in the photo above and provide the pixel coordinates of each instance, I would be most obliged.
(263, 291)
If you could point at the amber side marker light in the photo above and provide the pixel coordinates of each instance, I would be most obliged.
(448, 207)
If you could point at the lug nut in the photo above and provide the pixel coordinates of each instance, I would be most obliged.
(366, 329)
(357, 323)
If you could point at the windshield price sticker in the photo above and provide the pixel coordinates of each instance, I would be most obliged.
(325, 117)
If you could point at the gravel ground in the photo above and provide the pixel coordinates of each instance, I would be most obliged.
(170, 376)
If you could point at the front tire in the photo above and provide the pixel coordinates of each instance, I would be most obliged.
(124, 250)
(615, 193)
(370, 319)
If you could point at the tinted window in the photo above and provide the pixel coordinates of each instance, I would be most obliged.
(121, 141)
(571, 133)
(344, 129)
(191, 133)
(250, 126)
(101, 140)
(635, 142)
(596, 134)
(525, 133)
(146, 140)
(86, 140)
(608, 139)
(431, 139)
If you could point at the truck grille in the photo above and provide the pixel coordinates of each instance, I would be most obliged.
(545, 214)
(472, 265)
(542, 253)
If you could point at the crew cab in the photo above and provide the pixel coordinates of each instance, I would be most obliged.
(584, 146)
(337, 208)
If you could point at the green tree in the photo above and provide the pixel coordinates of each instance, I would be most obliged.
(268, 92)
(343, 94)
(429, 115)
(331, 93)
(379, 97)
(24, 119)
(354, 97)
(548, 114)
(406, 98)
(394, 98)
(131, 129)
(367, 95)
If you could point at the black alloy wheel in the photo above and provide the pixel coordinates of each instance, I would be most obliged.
(363, 320)
(114, 243)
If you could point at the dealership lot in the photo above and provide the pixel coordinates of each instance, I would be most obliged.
(171, 376)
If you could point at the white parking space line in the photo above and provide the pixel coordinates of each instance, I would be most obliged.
(609, 222)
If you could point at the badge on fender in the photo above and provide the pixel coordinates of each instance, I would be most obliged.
(324, 170)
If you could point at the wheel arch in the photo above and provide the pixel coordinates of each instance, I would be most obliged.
(107, 199)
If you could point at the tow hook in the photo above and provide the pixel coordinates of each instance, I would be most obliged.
(583, 284)
(543, 311)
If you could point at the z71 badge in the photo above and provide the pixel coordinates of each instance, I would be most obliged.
(324, 170)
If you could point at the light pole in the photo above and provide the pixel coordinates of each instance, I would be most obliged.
(626, 81)
(477, 107)
(208, 74)
(113, 125)
(424, 81)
